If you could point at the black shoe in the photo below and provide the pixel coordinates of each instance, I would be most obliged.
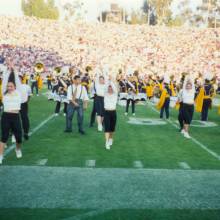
(68, 131)
(82, 132)
(26, 137)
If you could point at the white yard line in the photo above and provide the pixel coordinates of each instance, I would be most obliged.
(90, 163)
(42, 162)
(87, 214)
(204, 147)
(138, 164)
(184, 165)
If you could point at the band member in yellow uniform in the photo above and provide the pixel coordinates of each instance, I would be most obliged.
(150, 88)
(24, 79)
(164, 102)
(204, 98)
(39, 81)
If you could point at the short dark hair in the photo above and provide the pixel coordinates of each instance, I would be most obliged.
(76, 77)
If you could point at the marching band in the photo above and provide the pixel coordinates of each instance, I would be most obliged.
(73, 88)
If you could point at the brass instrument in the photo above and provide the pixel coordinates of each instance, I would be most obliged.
(39, 67)
(57, 71)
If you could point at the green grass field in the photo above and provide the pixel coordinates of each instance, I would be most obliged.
(151, 172)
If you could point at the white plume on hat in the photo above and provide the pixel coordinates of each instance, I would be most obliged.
(166, 79)
(65, 69)
(208, 75)
(130, 71)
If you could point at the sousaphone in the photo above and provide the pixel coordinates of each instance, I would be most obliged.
(39, 67)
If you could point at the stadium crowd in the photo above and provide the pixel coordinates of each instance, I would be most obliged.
(149, 50)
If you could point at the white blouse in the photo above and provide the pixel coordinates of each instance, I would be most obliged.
(12, 102)
(100, 89)
(188, 97)
(110, 100)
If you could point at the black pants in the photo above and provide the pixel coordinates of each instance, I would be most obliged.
(99, 105)
(93, 114)
(110, 118)
(10, 122)
(132, 105)
(34, 85)
(24, 117)
(49, 85)
(55, 89)
(58, 105)
(180, 116)
(205, 109)
(187, 113)
(70, 113)
(165, 107)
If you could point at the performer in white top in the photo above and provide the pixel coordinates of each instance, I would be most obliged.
(110, 116)
(78, 100)
(188, 95)
(10, 120)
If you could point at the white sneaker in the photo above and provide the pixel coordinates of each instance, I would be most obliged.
(1, 159)
(110, 142)
(18, 153)
(182, 131)
(6, 146)
(56, 114)
(13, 140)
(107, 146)
(126, 113)
(99, 127)
(64, 114)
(186, 135)
(37, 95)
(133, 114)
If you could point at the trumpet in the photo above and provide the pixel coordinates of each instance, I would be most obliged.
(39, 67)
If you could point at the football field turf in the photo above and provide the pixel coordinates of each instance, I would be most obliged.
(151, 172)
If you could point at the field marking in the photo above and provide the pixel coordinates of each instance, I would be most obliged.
(146, 121)
(90, 163)
(87, 214)
(203, 124)
(192, 138)
(138, 164)
(12, 147)
(42, 162)
(108, 188)
(184, 165)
